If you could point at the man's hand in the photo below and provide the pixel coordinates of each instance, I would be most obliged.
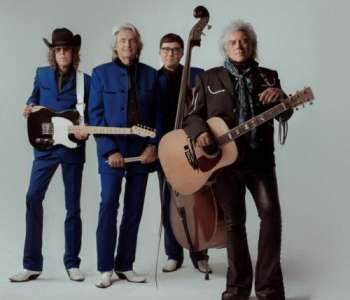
(27, 111)
(81, 133)
(271, 95)
(116, 160)
(149, 154)
(204, 140)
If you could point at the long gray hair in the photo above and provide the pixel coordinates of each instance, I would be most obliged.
(239, 25)
(126, 26)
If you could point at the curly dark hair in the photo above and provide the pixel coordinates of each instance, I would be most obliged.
(75, 53)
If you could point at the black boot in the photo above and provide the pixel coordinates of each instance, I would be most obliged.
(233, 296)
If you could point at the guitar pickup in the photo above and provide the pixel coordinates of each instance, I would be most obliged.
(47, 128)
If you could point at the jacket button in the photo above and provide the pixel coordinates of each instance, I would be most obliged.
(122, 91)
(122, 108)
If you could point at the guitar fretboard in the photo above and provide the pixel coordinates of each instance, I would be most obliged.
(101, 130)
(251, 124)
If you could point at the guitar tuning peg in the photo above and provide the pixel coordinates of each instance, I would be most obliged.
(209, 27)
(311, 103)
(203, 34)
(297, 108)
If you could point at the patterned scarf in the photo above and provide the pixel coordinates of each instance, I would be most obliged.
(244, 89)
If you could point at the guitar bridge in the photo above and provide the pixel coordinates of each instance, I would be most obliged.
(191, 155)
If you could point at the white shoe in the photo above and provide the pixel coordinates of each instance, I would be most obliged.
(131, 276)
(203, 266)
(75, 274)
(171, 265)
(25, 275)
(105, 280)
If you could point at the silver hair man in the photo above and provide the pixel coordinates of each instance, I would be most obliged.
(126, 26)
(239, 25)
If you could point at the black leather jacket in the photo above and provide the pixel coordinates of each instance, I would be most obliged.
(215, 96)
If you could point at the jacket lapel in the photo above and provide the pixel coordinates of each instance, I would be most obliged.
(69, 85)
(118, 78)
(52, 81)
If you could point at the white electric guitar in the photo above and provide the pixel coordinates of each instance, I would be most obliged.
(47, 129)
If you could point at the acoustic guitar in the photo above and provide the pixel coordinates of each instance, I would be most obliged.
(188, 167)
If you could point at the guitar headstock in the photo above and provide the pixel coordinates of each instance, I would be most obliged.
(300, 98)
(201, 13)
(143, 131)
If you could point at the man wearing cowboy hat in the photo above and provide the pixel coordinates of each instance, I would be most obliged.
(55, 88)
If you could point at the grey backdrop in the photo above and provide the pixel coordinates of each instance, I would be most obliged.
(306, 41)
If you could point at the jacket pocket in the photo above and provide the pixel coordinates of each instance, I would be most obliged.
(213, 91)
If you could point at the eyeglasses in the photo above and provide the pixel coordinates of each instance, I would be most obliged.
(167, 50)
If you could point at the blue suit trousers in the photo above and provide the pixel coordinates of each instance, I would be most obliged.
(106, 235)
(42, 172)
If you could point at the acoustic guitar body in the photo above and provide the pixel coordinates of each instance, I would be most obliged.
(175, 149)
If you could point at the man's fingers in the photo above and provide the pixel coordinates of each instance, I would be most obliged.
(262, 95)
(276, 96)
(116, 163)
(206, 140)
(27, 111)
(203, 140)
(270, 95)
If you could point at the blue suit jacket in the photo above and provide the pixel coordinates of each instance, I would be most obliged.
(108, 105)
(45, 93)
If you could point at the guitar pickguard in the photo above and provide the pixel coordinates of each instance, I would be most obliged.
(60, 132)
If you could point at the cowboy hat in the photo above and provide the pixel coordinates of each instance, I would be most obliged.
(63, 37)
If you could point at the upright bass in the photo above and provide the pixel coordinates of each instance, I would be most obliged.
(196, 219)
